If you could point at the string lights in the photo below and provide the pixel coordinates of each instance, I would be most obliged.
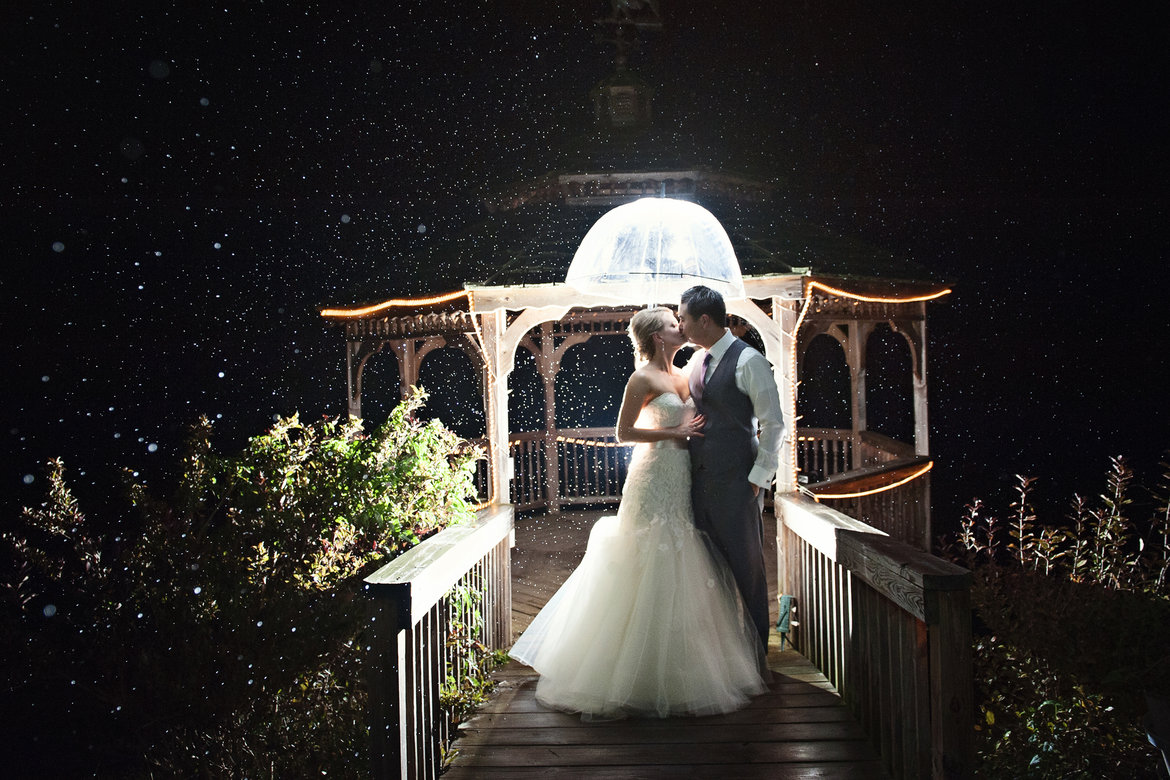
(594, 442)
(392, 303)
(874, 491)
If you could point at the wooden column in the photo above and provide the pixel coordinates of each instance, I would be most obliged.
(921, 421)
(356, 355)
(496, 368)
(855, 353)
(549, 365)
(408, 365)
(785, 312)
(410, 354)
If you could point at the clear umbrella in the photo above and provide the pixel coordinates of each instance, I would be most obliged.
(652, 249)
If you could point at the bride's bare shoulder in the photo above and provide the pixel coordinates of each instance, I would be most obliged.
(650, 383)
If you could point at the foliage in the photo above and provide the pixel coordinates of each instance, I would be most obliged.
(468, 683)
(1076, 620)
(219, 632)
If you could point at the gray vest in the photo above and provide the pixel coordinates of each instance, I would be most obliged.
(729, 443)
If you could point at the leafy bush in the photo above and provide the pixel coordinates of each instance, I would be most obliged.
(1076, 622)
(218, 633)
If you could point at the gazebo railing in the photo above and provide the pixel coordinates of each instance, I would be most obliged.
(461, 574)
(892, 497)
(590, 467)
(890, 626)
(822, 453)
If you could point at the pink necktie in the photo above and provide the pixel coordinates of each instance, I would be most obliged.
(702, 383)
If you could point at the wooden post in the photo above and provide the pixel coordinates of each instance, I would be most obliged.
(408, 365)
(549, 364)
(786, 311)
(493, 326)
(952, 689)
(356, 355)
(921, 423)
(353, 380)
(387, 699)
(856, 356)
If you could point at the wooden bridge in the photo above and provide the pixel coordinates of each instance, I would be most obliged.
(881, 686)
(800, 728)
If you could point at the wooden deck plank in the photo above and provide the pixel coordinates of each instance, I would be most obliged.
(641, 732)
(608, 753)
(798, 729)
(794, 771)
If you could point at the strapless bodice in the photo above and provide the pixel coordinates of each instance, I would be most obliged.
(664, 411)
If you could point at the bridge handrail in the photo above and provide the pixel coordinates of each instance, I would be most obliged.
(890, 626)
(410, 658)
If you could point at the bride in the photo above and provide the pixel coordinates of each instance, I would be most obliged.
(651, 622)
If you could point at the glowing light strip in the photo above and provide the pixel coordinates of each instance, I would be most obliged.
(595, 442)
(875, 299)
(393, 303)
(863, 493)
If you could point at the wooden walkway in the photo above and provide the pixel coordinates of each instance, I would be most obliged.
(799, 729)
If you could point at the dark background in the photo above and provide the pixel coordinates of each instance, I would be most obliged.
(182, 190)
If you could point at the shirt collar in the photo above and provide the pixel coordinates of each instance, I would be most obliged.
(719, 347)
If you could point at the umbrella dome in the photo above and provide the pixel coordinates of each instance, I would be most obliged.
(652, 249)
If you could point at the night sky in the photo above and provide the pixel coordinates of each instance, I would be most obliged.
(181, 190)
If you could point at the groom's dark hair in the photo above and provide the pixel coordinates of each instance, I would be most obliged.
(702, 300)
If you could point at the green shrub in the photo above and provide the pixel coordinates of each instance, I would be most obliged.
(218, 632)
(1075, 623)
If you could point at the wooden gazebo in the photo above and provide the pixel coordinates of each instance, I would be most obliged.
(885, 621)
(784, 312)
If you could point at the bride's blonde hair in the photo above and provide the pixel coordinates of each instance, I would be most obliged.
(643, 326)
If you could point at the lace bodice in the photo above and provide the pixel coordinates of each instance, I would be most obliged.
(664, 411)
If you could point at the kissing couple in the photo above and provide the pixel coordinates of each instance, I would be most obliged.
(667, 613)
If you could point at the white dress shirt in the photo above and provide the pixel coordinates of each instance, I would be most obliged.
(754, 378)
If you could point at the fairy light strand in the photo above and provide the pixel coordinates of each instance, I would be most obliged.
(394, 303)
(595, 442)
(875, 491)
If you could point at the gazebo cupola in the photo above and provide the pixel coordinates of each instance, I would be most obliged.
(622, 102)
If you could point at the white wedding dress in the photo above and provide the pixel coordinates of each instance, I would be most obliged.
(651, 622)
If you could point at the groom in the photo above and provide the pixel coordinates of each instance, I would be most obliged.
(732, 385)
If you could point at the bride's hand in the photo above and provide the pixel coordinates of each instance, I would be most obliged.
(694, 426)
